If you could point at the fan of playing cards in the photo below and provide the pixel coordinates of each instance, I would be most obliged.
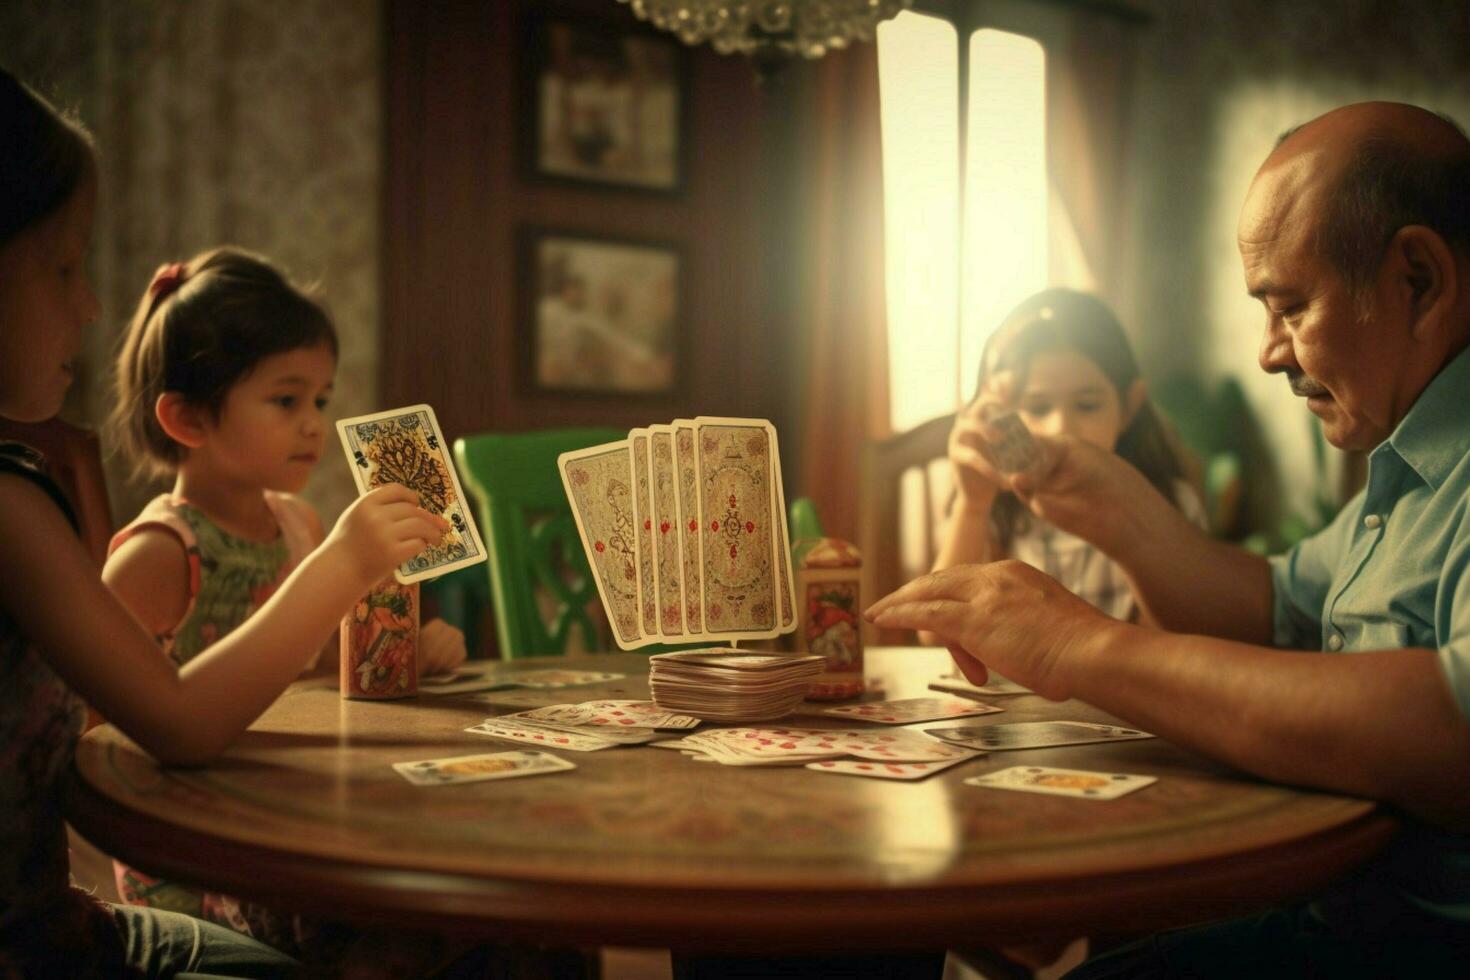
(684, 526)
(731, 685)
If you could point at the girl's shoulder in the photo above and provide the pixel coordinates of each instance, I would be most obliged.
(163, 513)
(18, 459)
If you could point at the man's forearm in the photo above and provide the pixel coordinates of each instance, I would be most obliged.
(1381, 724)
(1187, 582)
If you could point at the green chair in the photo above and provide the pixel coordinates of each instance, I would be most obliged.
(532, 538)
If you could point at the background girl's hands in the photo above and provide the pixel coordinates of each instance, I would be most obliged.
(381, 530)
(976, 479)
(441, 647)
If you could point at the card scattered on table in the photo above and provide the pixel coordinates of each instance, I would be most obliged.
(888, 770)
(478, 768)
(908, 710)
(1034, 735)
(468, 679)
(684, 526)
(406, 446)
(721, 684)
(511, 731)
(798, 746)
(1063, 782)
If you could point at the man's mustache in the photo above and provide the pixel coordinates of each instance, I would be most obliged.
(1304, 386)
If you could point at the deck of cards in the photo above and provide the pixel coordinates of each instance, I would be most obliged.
(684, 526)
(1014, 451)
(731, 685)
(406, 446)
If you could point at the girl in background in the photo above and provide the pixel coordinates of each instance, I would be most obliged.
(1060, 360)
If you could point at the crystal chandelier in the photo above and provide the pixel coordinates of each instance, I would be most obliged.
(770, 30)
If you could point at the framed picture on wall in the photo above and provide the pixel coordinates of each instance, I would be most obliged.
(600, 315)
(605, 103)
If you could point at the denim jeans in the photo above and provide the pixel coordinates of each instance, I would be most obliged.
(169, 945)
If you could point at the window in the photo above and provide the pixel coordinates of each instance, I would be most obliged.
(958, 255)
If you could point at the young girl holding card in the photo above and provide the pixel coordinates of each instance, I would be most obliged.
(1063, 363)
(64, 637)
(222, 381)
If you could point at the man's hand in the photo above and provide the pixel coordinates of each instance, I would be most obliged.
(1005, 615)
(1085, 490)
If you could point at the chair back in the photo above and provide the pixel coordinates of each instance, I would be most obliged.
(541, 587)
(74, 458)
(905, 492)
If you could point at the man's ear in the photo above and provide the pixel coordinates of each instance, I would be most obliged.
(181, 420)
(1422, 279)
(1137, 395)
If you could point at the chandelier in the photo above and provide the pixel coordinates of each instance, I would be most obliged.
(770, 30)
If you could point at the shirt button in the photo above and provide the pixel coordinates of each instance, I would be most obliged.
(1334, 642)
(1372, 522)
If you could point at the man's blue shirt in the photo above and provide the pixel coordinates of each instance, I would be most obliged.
(1390, 573)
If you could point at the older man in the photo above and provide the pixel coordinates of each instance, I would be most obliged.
(1355, 237)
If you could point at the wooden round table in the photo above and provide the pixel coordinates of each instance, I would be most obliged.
(643, 846)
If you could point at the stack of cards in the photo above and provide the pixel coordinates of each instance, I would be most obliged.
(406, 446)
(731, 685)
(799, 746)
(684, 526)
(585, 727)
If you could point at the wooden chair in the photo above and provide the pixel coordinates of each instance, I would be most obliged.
(898, 532)
(75, 460)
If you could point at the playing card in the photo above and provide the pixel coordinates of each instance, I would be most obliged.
(1015, 450)
(689, 524)
(736, 543)
(996, 687)
(908, 710)
(1063, 782)
(599, 483)
(643, 529)
(668, 560)
(611, 714)
(622, 736)
(468, 679)
(785, 577)
(534, 735)
(477, 768)
(789, 746)
(406, 446)
(1034, 735)
(888, 770)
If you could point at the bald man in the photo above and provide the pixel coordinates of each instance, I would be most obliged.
(1355, 237)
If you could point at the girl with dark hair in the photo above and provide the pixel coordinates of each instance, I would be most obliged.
(1061, 360)
(65, 638)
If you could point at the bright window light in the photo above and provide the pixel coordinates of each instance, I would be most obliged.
(918, 75)
(943, 306)
(1005, 257)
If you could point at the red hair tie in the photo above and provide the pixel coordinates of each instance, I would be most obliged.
(166, 280)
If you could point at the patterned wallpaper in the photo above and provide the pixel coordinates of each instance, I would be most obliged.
(251, 122)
